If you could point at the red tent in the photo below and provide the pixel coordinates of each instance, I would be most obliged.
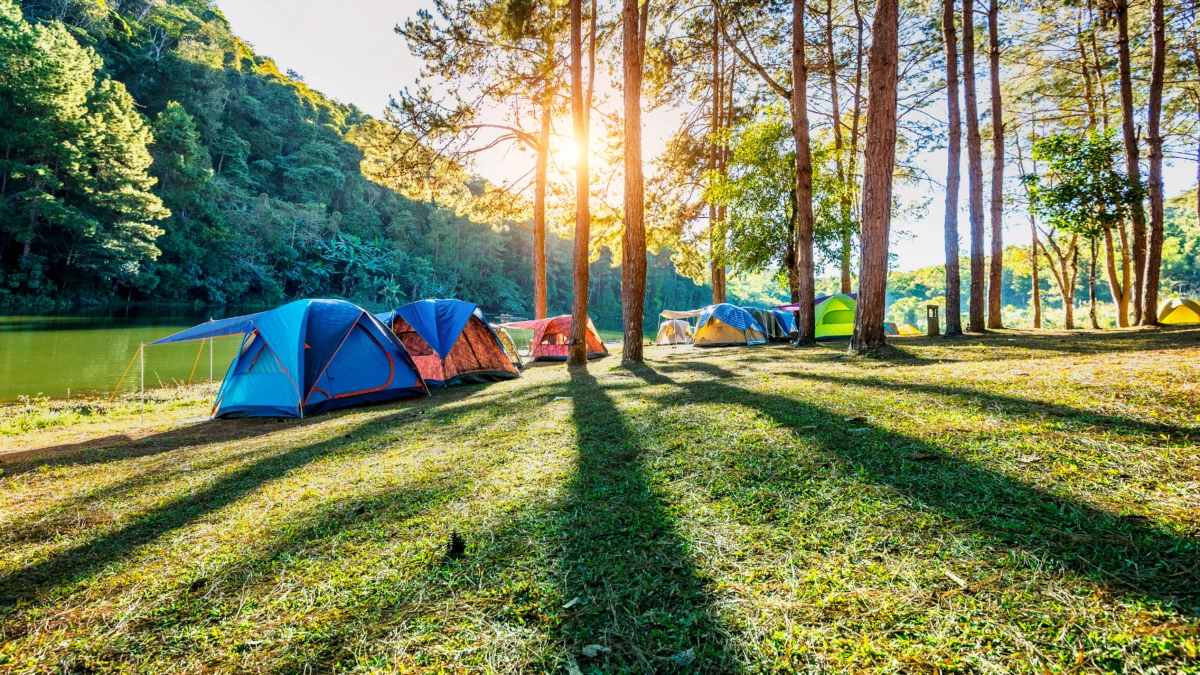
(552, 336)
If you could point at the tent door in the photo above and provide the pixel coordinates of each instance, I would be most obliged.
(361, 365)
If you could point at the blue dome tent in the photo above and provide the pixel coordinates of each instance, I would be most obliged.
(308, 357)
(451, 342)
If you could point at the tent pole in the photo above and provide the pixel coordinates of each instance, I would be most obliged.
(210, 346)
(142, 363)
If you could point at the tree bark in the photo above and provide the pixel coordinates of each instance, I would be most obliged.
(953, 173)
(1065, 273)
(846, 235)
(805, 322)
(793, 279)
(1033, 273)
(1119, 290)
(974, 171)
(633, 242)
(577, 350)
(716, 233)
(878, 166)
(1092, 283)
(996, 275)
(1155, 231)
(539, 210)
(1132, 169)
(856, 115)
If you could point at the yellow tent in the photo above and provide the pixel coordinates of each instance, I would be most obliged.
(909, 329)
(1179, 310)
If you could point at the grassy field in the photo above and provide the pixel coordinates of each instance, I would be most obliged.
(1013, 503)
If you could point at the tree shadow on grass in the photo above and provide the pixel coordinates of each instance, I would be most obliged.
(1142, 561)
(119, 447)
(640, 594)
(29, 583)
(1038, 345)
(1010, 406)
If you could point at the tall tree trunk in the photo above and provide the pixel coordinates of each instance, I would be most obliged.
(577, 350)
(1065, 273)
(1092, 283)
(878, 165)
(953, 173)
(996, 276)
(633, 243)
(790, 262)
(539, 209)
(856, 115)
(716, 231)
(1155, 232)
(1033, 274)
(1033, 259)
(1120, 291)
(974, 170)
(805, 322)
(1132, 169)
(846, 235)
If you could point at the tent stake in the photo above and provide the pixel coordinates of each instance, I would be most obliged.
(142, 362)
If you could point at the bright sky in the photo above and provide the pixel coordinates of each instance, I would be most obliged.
(352, 54)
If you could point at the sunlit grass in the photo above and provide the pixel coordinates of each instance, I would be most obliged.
(1017, 502)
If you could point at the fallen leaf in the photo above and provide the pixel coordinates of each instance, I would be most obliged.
(593, 651)
(572, 666)
(923, 456)
(955, 578)
(1029, 459)
(572, 603)
(683, 658)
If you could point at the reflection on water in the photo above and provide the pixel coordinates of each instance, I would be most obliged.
(86, 352)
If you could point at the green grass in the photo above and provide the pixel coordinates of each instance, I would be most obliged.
(1014, 503)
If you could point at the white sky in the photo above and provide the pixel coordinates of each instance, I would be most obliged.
(352, 54)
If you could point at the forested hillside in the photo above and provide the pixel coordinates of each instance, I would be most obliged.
(208, 176)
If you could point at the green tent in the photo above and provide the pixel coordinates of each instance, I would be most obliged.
(835, 317)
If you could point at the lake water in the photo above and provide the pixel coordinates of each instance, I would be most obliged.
(86, 353)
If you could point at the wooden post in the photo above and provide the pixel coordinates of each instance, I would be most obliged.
(932, 324)
(142, 367)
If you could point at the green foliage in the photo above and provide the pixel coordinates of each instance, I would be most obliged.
(760, 194)
(75, 200)
(1080, 193)
(1181, 247)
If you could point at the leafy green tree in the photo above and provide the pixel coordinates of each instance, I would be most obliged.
(759, 194)
(1078, 193)
(74, 189)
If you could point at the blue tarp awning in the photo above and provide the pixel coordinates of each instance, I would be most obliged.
(730, 314)
(237, 325)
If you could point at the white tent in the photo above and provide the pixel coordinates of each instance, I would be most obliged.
(674, 332)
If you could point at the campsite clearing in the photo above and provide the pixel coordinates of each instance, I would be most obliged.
(1022, 501)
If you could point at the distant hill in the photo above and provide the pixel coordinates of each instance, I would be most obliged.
(266, 197)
